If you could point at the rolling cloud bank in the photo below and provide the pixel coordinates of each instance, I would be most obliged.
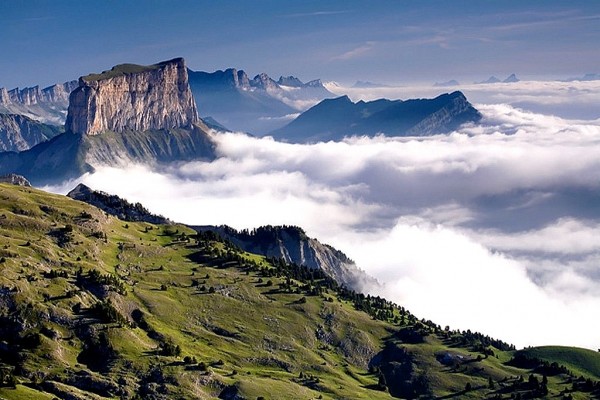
(495, 228)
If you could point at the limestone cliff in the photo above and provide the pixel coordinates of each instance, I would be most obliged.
(133, 97)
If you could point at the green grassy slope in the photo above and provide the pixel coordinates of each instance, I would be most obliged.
(93, 307)
(582, 362)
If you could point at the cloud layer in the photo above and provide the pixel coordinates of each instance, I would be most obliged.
(493, 228)
(573, 100)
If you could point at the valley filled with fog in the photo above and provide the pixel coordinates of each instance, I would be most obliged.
(494, 227)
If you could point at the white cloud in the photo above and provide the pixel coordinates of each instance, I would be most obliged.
(356, 52)
(426, 215)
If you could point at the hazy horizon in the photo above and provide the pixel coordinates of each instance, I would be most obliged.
(387, 41)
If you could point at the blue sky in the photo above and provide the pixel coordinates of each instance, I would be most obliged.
(384, 41)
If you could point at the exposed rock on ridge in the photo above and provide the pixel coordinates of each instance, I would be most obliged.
(133, 97)
(34, 95)
(114, 205)
(19, 133)
(293, 245)
(15, 179)
(48, 105)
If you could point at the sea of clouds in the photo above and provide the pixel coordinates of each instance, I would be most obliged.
(493, 228)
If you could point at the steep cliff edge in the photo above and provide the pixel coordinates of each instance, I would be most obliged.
(132, 113)
(133, 97)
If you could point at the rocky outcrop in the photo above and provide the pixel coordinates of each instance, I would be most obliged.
(19, 133)
(264, 82)
(146, 114)
(114, 205)
(15, 179)
(290, 81)
(133, 97)
(291, 244)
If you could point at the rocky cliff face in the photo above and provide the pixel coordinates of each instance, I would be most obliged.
(293, 245)
(133, 97)
(19, 133)
(15, 179)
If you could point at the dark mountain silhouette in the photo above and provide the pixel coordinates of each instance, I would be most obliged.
(333, 119)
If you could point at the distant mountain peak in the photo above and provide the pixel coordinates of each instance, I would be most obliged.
(512, 78)
(133, 97)
(263, 81)
(334, 119)
(316, 83)
(291, 81)
(367, 84)
(491, 79)
(452, 82)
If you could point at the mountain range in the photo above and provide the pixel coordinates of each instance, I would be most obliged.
(230, 98)
(148, 114)
(512, 78)
(48, 105)
(334, 119)
(255, 105)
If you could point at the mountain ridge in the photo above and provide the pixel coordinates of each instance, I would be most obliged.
(255, 105)
(291, 244)
(334, 119)
(93, 307)
(133, 97)
(18, 132)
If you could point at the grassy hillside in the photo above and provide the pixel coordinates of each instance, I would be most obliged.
(94, 307)
(582, 362)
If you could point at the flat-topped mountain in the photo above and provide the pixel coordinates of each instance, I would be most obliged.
(334, 119)
(133, 97)
(132, 113)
